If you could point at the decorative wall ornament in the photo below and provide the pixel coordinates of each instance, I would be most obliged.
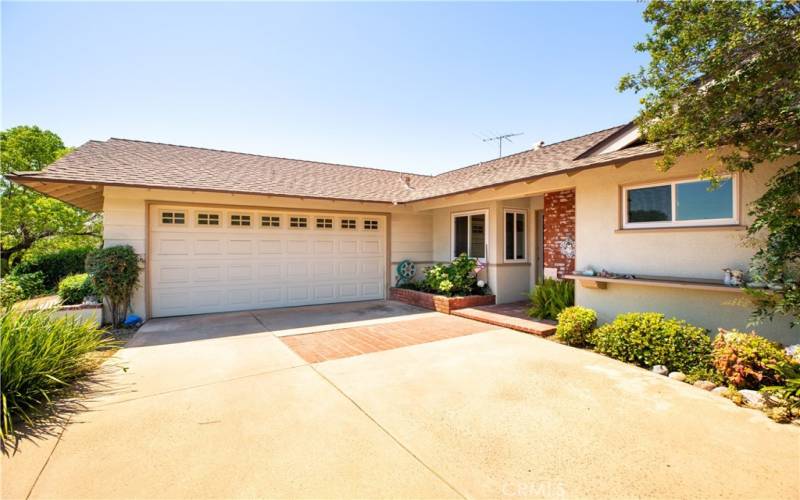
(567, 247)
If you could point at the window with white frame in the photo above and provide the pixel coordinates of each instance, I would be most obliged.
(324, 223)
(173, 217)
(240, 220)
(469, 234)
(370, 224)
(298, 222)
(207, 219)
(348, 223)
(270, 221)
(690, 202)
(515, 235)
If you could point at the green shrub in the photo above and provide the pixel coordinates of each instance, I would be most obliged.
(73, 289)
(789, 392)
(704, 373)
(10, 292)
(39, 357)
(749, 361)
(550, 297)
(648, 339)
(55, 266)
(115, 275)
(24, 286)
(575, 324)
(454, 279)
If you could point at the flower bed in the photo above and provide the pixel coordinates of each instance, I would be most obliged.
(439, 303)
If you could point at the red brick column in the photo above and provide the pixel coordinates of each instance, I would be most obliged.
(559, 224)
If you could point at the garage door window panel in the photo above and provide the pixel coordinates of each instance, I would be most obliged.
(173, 217)
(298, 222)
(270, 221)
(208, 219)
(240, 220)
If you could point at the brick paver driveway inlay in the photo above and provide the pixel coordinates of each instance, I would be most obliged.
(337, 344)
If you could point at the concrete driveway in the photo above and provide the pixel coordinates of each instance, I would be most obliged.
(220, 406)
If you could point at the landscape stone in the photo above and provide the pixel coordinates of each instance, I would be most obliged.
(753, 399)
(661, 370)
(705, 384)
(679, 376)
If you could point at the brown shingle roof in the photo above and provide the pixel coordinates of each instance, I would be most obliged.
(548, 159)
(122, 162)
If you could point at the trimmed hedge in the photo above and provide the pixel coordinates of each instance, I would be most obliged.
(73, 289)
(649, 339)
(55, 266)
(575, 324)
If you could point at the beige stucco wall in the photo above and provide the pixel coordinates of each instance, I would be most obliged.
(509, 281)
(422, 232)
(124, 220)
(411, 239)
(710, 310)
(442, 235)
(687, 252)
(693, 252)
(690, 252)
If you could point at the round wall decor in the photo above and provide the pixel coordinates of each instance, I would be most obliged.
(567, 247)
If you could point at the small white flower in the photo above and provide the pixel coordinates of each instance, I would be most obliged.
(481, 283)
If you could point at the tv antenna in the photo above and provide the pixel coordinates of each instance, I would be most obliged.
(500, 139)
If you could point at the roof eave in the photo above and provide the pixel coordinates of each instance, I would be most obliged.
(28, 180)
(86, 196)
(31, 179)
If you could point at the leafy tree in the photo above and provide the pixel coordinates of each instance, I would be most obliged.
(29, 217)
(724, 78)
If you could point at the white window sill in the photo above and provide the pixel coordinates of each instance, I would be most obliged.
(722, 227)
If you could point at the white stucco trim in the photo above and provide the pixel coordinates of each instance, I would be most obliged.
(620, 142)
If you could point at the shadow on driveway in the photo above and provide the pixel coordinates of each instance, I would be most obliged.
(280, 322)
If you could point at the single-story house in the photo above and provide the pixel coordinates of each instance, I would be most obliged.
(225, 231)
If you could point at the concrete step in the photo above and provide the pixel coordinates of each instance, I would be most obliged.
(506, 316)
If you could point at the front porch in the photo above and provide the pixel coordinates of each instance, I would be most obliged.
(519, 240)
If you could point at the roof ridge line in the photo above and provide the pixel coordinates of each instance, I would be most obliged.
(262, 156)
(529, 150)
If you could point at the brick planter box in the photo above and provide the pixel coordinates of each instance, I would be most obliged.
(439, 303)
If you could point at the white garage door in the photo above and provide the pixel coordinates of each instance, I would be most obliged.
(212, 260)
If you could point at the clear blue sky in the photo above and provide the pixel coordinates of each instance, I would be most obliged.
(398, 86)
